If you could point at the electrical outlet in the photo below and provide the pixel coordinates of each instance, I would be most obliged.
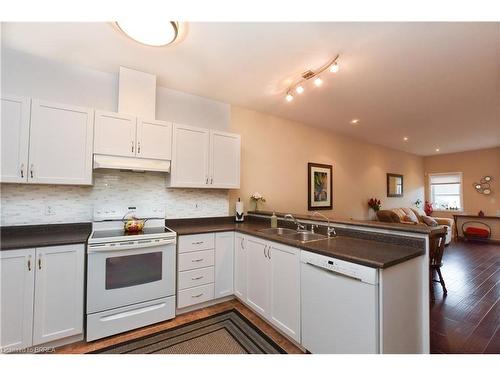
(50, 210)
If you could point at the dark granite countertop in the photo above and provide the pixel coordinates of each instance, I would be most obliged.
(412, 228)
(379, 253)
(28, 236)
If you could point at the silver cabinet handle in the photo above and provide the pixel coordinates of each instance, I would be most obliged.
(132, 146)
(198, 243)
(197, 295)
(211, 180)
(138, 147)
(269, 252)
(22, 170)
(39, 263)
(197, 260)
(31, 170)
(206, 180)
(29, 263)
(265, 251)
(197, 278)
(242, 247)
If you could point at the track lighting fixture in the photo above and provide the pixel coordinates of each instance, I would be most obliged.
(298, 85)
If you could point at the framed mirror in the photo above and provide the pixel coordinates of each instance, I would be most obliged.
(394, 185)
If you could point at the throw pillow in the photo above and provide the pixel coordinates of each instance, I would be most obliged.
(410, 215)
(430, 221)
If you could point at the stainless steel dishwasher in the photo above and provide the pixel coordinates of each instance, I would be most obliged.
(339, 302)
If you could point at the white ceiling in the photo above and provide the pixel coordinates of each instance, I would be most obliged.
(436, 83)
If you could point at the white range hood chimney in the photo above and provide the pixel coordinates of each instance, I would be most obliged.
(137, 97)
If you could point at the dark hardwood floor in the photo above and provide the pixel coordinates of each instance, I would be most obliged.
(467, 320)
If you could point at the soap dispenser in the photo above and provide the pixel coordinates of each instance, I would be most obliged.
(274, 221)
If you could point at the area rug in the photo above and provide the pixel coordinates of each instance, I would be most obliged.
(228, 332)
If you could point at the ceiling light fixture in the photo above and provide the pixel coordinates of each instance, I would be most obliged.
(437, 149)
(154, 33)
(405, 139)
(298, 86)
(354, 121)
(334, 68)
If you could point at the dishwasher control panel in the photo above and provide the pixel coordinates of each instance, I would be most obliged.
(348, 269)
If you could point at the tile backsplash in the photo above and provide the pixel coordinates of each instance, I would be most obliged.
(42, 204)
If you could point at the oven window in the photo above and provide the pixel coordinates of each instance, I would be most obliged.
(130, 270)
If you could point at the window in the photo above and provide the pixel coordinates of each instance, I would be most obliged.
(446, 191)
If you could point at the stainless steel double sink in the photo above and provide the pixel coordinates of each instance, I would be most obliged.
(301, 236)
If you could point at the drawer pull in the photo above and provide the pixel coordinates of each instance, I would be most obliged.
(198, 242)
(197, 260)
(197, 278)
(198, 295)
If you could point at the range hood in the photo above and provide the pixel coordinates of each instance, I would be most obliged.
(131, 164)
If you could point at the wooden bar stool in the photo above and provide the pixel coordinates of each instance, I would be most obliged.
(436, 250)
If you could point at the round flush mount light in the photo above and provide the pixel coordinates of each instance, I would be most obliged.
(289, 97)
(405, 139)
(354, 121)
(299, 89)
(154, 33)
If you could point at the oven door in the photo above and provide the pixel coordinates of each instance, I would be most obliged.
(129, 272)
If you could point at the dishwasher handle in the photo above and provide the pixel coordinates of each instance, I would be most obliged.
(356, 277)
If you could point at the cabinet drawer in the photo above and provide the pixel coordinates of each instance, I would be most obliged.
(190, 279)
(196, 242)
(193, 296)
(196, 259)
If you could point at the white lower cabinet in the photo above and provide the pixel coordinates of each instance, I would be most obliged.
(272, 283)
(16, 290)
(240, 266)
(284, 308)
(42, 295)
(258, 275)
(224, 259)
(58, 293)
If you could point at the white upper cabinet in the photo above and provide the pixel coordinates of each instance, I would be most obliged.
(225, 160)
(204, 158)
(115, 134)
(59, 294)
(154, 139)
(15, 131)
(16, 291)
(190, 149)
(60, 144)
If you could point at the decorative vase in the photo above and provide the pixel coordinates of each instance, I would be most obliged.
(372, 214)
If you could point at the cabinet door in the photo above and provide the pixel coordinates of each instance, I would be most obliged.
(58, 293)
(154, 139)
(224, 259)
(115, 134)
(61, 139)
(284, 309)
(16, 289)
(224, 160)
(189, 157)
(258, 275)
(240, 267)
(15, 132)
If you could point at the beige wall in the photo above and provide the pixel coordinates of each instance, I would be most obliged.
(473, 165)
(275, 153)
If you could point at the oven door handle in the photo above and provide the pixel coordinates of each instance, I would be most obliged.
(129, 245)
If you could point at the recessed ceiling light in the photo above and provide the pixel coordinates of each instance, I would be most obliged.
(155, 33)
(299, 89)
(318, 81)
(437, 149)
(354, 121)
(405, 139)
